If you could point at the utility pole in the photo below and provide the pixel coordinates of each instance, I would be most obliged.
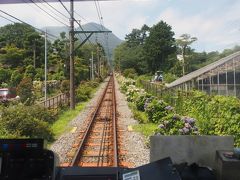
(71, 37)
(92, 67)
(98, 61)
(45, 82)
(34, 54)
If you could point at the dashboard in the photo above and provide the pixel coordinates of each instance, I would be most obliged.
(26, 159)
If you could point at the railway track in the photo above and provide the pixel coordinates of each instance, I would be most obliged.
(98, 143)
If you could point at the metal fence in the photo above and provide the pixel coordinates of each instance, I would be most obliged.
(56, 101)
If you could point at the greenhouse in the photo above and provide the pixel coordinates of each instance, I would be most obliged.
(221, 77)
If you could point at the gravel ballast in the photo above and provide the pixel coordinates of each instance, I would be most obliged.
(137, 153)
(65, 142)
(132, 142)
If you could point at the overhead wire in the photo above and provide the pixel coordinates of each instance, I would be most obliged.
(26, 23)
(55, 9)
(99, 13)
(87, 21)
(75, 21)
(48, 13)
(7, 19)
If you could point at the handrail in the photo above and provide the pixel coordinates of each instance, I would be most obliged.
(55, 101)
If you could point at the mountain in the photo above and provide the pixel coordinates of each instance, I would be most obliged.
(108, 40)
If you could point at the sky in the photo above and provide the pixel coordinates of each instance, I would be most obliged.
(215, 23)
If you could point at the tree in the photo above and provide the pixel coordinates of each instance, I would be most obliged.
(16, 78)
(183, 42)
(130, 54)
(15, 34)
(35, 42)
(24, 90)
(30, 72)
(11, 56)
(159, 45)
(137, 36)
(5, 75)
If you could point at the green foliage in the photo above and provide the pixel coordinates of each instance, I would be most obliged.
(30, 72)
(16, 78)
(174, 124)
(125, 83)
(15, 34)
(142, 101)
(11, 56)
(26, 121)
(140, 116)
(216, 115)
(129, 73)
(159, 45)
(169, 77)
(24, 90)
(146, 129)
(5, 75)
(65, 86)
(85, 90)
(156, 110)
(39, 74)
(60, 125)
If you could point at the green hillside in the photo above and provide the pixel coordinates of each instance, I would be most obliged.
(108, 41)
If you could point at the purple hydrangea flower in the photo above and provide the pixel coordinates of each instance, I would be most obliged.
(175, 117)
(161, 126)
(191, 121)
(185, 130)
(187, 125)
(169, 108)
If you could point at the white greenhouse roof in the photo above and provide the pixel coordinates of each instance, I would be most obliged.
(203, 70)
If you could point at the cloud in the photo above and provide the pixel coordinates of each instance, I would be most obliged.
(210, 29)
(216, 25)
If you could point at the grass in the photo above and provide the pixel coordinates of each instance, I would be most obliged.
(60, 126)
(146, 129)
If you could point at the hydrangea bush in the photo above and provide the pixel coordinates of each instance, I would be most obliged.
(158, 111)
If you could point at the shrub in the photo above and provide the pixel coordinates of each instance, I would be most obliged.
(20, 121)
(16, 78)
(156, 110)
(65, 86)
(173, 124)
(5, 75)
(125, 83)
(24, 90)
(141, 117)
(83, 92)
(143, 100)
(133, 92)
(129, 73)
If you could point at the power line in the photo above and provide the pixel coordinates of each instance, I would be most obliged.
(64, 7)
(74, 19)
(26, 23)
(87, 20)
(99, 12)
(56, 9)
(48, 13)
(7, 19)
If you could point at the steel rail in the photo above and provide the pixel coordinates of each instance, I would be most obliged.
(115, 162)
(80, 150)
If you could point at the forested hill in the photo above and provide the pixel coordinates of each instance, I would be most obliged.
(110, 40)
